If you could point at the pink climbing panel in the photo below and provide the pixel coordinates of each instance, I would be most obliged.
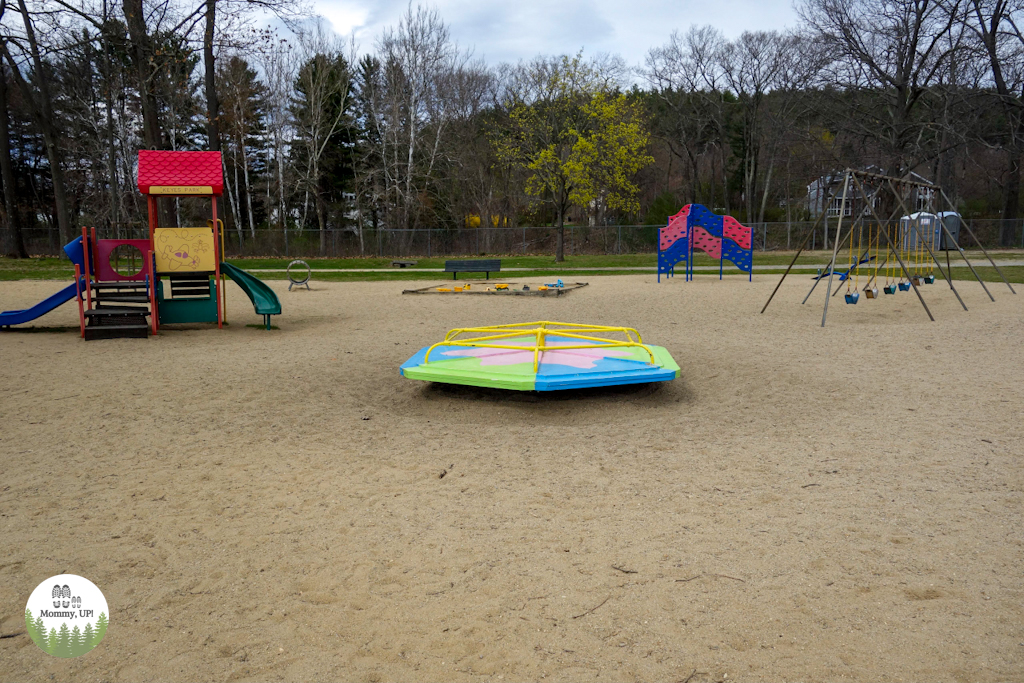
(676, 229)
(706, 242)
(105, 269)
(734, 230)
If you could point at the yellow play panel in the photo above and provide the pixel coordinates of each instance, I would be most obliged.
(184, 250)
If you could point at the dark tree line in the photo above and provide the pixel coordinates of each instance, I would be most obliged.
(414, 132)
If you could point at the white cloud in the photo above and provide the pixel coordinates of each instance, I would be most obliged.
(345, 16)
(522, 29)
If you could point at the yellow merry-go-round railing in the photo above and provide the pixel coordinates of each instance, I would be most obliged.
(540, 330)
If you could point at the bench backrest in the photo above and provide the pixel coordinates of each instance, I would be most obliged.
(473, 266)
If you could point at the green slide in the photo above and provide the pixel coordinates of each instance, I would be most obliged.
(263, 298)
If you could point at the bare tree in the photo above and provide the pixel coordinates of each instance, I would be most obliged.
(40, 100)
(895, 49)
(324, 83)
(276, 60)
(995, 23)
(766, 70)
(15, 245)
(686, 78)
(239, 11)
(413, 107)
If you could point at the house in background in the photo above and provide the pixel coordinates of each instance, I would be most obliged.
(826, 194)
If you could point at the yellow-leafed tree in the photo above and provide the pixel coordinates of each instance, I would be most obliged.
(576, 141)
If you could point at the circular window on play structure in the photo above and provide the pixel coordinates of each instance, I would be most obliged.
(126, 260)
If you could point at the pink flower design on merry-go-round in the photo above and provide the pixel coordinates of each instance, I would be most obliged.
(576, 358)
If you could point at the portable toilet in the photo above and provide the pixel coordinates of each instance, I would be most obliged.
(927, 231)
(951, 219)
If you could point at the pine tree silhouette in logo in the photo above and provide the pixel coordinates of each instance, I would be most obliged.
(65, 594)
(56, 595)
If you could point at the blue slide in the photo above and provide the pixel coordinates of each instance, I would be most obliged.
(8, 318)
(45, 306)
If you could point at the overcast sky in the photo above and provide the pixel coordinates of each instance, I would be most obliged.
(511, 30)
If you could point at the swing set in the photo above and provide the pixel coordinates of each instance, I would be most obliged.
(909, 261)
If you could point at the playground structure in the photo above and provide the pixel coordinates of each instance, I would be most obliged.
(695, 227)
(541, 356)
(911, 243)
(179, 276)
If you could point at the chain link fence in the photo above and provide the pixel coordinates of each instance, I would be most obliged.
(502, 241)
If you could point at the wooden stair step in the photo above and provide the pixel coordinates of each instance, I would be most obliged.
(117, 310)
(131, 330)
(119, 285)
(125, 297)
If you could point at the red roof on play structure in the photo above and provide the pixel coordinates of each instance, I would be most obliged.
(161, 168)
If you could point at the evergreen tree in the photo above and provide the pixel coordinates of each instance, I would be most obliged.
(77, 645)
(64, 641)
(322, 111)
(30, 626)
(243, 127)
(101, 629)
(88, 637)
(51, 642)
(41, 630)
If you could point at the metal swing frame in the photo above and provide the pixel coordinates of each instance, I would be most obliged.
(901, 189)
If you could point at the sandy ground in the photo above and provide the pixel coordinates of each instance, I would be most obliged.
(803, 504)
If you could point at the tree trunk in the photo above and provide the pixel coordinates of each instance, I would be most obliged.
(136, 20)
(560, 239)
(725, 180)
(42, 112)
(238, 200)
(113, 185)
(232, 201)
(212, 102)
(990, 31)
(15, 246)
(318, 204)
(318, 201)
(1008, 227)
(767, 186)
(142, 54)
(248, 190)
(282, 209)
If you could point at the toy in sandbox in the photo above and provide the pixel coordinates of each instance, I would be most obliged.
(174, 276)
(695, 227)
(542, 356)
(557, 288)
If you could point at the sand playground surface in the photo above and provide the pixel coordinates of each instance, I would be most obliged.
(802, 504)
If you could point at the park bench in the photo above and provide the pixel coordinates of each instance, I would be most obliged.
(488, 266)
(402, 264)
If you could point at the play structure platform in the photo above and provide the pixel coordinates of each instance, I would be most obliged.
(179, 276)
(542, 356)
